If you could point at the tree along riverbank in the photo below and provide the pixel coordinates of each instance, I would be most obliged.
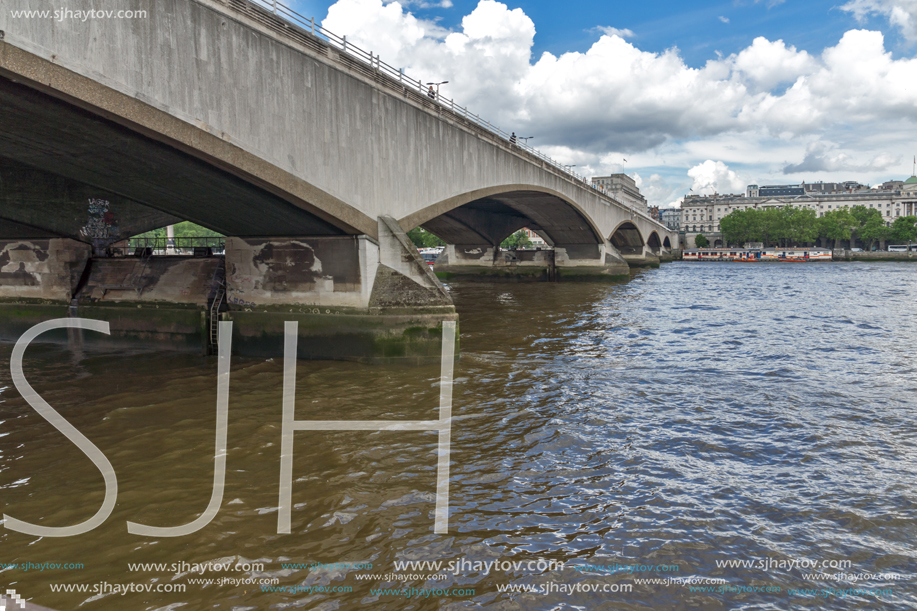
(788, 226)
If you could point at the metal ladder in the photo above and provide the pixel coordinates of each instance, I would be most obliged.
(218, 284)
(215, 318)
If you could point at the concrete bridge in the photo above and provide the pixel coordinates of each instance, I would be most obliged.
(313, 156)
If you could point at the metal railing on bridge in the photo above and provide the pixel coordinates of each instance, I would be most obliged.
(299, 25)
(374, 62)
(147, 247)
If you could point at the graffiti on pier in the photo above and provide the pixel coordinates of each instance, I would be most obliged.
(241, 302)
(101, 224)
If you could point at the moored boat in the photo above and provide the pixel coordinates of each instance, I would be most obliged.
(751, 255)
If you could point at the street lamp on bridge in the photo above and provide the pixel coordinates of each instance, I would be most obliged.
(433, 94)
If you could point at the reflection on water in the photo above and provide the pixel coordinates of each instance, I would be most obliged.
(698, 414)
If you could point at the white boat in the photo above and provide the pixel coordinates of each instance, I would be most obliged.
(752, 255)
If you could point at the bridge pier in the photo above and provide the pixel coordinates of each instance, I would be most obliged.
(143, 299)
(569, 263)
(355, 297)
(37, 279)
(640, 256)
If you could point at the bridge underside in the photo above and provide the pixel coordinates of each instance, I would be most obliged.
(54, 157)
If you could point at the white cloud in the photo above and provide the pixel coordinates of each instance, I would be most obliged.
(482, 62)
(392, 29)
(820, 157)
(421, 3)
(900, 13)
(766, 64)
(715, 177)
(758, 107)
(723, 19)
(610, 31)
(655, 188)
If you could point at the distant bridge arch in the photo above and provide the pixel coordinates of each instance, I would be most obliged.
(654, 243)
(626, 237)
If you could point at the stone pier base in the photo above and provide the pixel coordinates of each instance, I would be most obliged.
(354, 297)
(640, 257)
(156, 302)
(367, 335)
(573, 263)
(37, 279)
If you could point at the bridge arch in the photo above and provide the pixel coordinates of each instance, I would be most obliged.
(666, 242)
(627, 238)
(487, 216)
(654, 242)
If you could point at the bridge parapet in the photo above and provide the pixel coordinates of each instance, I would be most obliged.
(286, 22)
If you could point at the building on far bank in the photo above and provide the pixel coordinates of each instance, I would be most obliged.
(622, 188)
(533, 237)
(850, 186)
(671, 218)
(702, 213)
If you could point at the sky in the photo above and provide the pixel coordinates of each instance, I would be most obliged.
(687, 97)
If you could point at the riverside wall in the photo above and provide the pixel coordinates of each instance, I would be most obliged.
(847, 255)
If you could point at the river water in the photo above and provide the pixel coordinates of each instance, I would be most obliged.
(697, 416)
